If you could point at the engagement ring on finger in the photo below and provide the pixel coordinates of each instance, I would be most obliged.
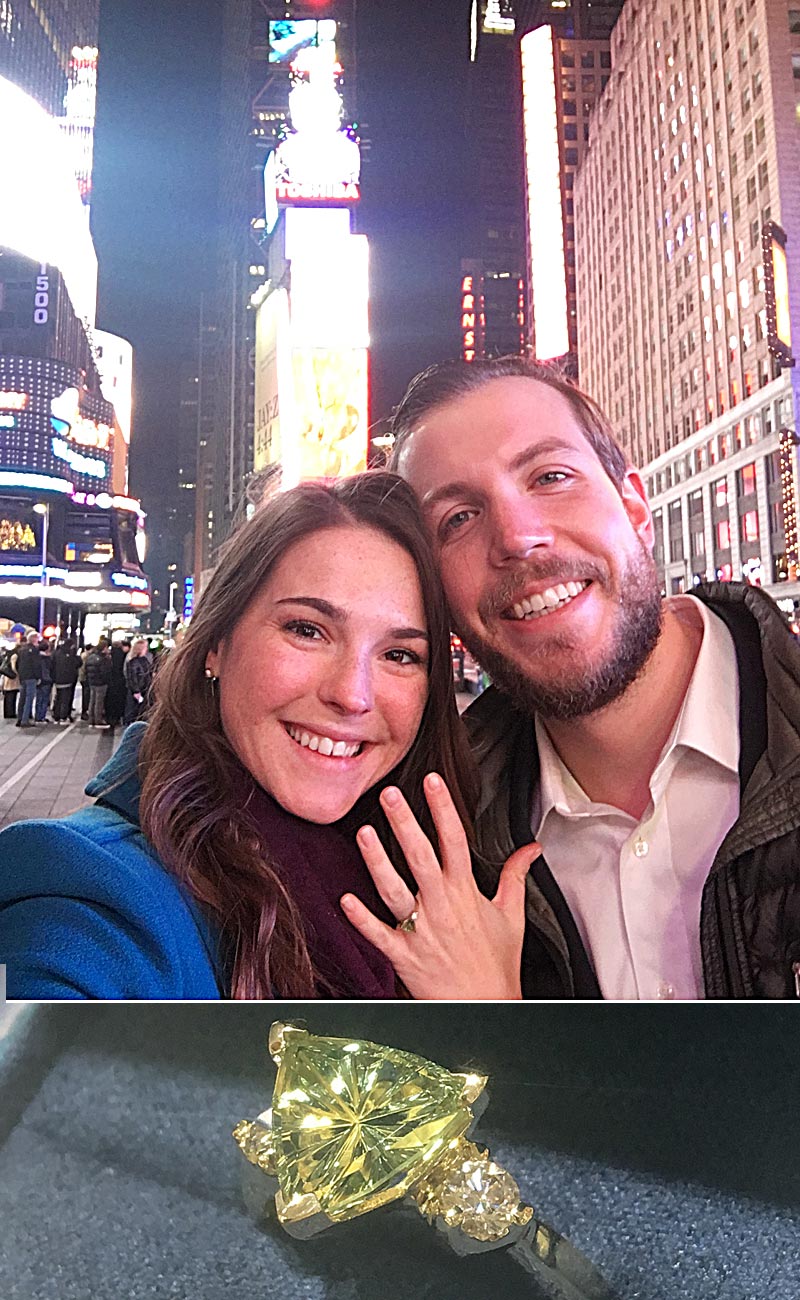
(354, 1126)
(409, 925)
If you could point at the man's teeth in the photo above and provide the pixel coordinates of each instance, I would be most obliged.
(545, 602)
(324, 744)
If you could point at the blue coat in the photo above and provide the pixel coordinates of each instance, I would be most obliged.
(88, 911)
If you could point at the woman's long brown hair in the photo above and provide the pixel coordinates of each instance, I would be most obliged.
(196, 792)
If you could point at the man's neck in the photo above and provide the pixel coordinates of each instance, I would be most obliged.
(613, 753)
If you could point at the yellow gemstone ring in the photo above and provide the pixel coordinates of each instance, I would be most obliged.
(354, 1126)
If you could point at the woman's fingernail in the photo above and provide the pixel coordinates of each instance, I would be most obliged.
(391, 796)
(433, 781)
(366, 835)
(347, 901)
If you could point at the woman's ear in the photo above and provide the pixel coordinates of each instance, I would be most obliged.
(213, 659)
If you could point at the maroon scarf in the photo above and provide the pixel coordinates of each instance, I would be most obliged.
(317, 864)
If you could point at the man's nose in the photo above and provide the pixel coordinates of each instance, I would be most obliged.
(519, 527)
(348, 686)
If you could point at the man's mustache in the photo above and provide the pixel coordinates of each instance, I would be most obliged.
(511, 589)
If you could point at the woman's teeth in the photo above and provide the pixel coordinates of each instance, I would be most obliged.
(546, 601)
(324, 744)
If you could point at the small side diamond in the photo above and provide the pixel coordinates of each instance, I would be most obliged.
(470, 1191)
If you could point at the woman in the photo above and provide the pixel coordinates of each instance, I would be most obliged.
(316, 669)
(138, 672)
(10, 682)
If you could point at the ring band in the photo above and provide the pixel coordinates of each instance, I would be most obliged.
(354, 1125)
(409, 925)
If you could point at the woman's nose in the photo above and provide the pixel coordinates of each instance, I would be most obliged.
(348, 686)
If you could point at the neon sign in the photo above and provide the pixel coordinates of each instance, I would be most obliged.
(334, 191)
(472, 319)
(81, 464)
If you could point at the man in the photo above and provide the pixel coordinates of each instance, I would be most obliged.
(29, 672)
(653, 747)
(66, 666)
(98, 676)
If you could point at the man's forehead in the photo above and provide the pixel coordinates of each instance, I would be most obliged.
(504, 419)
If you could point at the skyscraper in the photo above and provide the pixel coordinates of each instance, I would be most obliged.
(688, 231)
(261, 39)
(537, 70)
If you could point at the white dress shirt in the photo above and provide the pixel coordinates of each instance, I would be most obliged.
(634, 887)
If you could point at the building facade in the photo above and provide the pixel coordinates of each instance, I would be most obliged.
(687, 197)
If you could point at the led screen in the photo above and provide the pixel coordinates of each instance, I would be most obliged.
(286, 38)
(50, 425)
(331, 392)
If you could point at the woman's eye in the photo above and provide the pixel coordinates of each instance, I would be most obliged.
(307, 631)
(403, 657)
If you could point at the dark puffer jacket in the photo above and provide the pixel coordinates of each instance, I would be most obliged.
(750, 917)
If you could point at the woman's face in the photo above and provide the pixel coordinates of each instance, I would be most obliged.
(323, 681)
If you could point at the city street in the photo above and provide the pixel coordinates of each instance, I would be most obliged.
(43, 770)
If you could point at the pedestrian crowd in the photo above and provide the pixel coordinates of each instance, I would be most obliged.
(40, 678)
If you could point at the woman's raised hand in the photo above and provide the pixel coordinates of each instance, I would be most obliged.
(462, 946)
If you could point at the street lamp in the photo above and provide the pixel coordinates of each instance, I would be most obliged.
(41, 508)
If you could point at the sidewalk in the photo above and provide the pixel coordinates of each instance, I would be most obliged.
(43, 770)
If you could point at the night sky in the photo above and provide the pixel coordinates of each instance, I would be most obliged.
(155, 182)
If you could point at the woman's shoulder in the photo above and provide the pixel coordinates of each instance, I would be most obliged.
(87, 910)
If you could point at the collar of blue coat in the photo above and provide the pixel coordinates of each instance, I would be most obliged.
(117, 783)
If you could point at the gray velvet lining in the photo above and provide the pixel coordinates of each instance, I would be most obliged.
(662, 1141)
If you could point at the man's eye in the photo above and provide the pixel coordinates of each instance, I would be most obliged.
(456, 521)
(307, 631)
(552, 476)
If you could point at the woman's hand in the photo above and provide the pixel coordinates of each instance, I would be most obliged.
(463, 946)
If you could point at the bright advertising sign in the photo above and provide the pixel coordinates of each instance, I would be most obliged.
(318, 161)
(471, 311)
(41, 214)
(776, 293)
(331, 393)
(543, 185)
(287, 38)
(62, 435)
(273, 378)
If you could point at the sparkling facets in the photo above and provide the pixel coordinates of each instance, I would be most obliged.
(354, 1123)
(256, 1143)
(472, 1192)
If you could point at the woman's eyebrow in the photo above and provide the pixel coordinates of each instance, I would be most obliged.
(340, 616)
(316, 602)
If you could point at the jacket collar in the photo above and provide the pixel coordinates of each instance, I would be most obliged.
(117, 783)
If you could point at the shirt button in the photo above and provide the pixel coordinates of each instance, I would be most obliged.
(641, 848)
(666, 992)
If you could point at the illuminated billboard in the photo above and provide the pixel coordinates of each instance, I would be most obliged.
(287, 38)
(42, 216)
(331, 398)
(472, 319)
(543, 186)
(52, 431)
(273, 378)
(318, 160)
(776, 293)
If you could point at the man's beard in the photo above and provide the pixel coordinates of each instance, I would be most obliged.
(578, 691)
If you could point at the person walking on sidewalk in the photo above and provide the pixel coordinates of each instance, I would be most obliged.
(66, 665)
(9, 682)
(98, 675)
(29, 672)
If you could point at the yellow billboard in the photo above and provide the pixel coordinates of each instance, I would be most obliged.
(331, 405)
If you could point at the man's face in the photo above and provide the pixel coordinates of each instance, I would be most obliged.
(547, 566)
